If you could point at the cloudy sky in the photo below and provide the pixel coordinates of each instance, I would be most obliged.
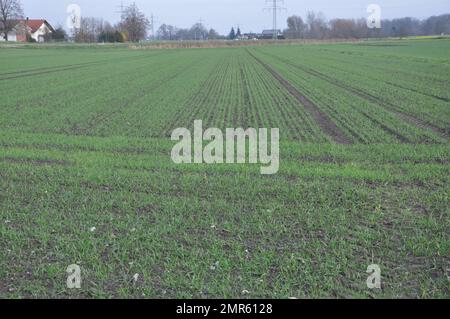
(222, 14)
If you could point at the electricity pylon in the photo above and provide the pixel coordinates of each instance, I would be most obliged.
(276, 5)
(121, 10)
(153, 21)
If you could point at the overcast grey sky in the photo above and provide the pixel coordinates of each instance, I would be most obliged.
(222, 14)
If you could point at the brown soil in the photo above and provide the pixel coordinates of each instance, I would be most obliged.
(322, 119)
(386, 105)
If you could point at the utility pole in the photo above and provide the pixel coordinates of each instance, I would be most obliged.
(276, 6)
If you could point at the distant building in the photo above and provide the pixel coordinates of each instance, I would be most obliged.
(29, 28)
(250, 36)
(16, 34)
(269, 34)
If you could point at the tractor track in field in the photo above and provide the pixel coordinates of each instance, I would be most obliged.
(45, 69)
(62, 68)
(441, 82)
(287, 113)
(408, 74)
(418, 92)
(321, 118)
(284, 111)
(371, 98)
(386, 128)
(45, 72)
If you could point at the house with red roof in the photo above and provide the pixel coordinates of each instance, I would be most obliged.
(37, 29)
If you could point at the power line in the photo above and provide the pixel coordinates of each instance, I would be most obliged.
(275, 8)
(153, 21)
(122, 9)
(200, 24)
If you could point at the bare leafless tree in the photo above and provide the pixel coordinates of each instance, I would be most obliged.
(10, 12)
(317, 24)
(93, 30)
(296, 27)
(134, 23)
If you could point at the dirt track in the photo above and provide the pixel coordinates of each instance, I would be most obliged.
(368, 97)
(324, 122)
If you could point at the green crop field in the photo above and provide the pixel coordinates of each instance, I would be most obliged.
(86, 175)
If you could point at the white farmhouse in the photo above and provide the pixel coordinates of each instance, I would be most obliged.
(36, 29)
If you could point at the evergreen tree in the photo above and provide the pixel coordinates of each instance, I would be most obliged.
(232, 35)
(238, 33)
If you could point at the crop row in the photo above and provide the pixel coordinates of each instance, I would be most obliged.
(240, 93)
(413, 94)
(362, 118)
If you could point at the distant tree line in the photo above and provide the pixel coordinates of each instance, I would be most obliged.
(197, 32)
(94, 30)
(134, 24)
(132, 27)
(316, 26)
